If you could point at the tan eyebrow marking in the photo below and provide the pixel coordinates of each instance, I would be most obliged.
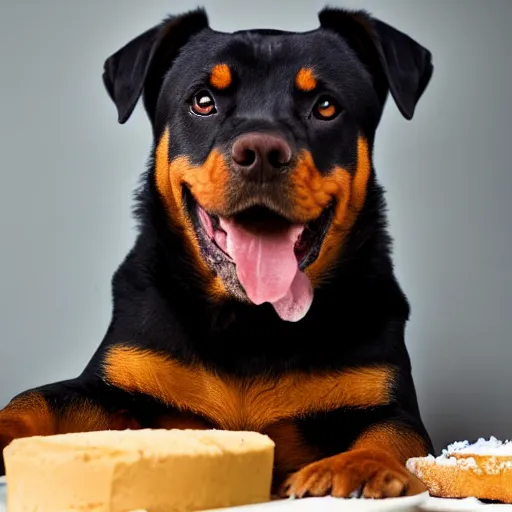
(220, 76)
(305, 80)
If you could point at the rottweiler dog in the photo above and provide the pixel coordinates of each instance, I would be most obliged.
(260, 292)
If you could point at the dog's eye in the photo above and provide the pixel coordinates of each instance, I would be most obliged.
(326, 108)
(203, 104)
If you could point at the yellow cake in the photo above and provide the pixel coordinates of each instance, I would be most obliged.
(153, 470)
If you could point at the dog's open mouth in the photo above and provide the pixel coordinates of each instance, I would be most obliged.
(269, 252)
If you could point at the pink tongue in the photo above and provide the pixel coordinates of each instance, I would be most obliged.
(267, 267)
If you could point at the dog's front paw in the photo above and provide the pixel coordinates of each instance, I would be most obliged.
(370, 473)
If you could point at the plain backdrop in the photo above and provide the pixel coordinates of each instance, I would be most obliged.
(67, 171)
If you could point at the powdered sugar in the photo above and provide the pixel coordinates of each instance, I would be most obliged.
(468, 456)
(492, 446)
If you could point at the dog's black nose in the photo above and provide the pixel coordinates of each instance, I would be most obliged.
(261, 156)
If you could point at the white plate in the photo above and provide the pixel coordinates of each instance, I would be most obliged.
(408, 503)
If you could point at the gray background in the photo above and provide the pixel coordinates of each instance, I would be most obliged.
(67, 171)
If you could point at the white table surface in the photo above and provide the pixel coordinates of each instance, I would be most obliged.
(411, 504)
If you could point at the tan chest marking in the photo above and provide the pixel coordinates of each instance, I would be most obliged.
(244, 404)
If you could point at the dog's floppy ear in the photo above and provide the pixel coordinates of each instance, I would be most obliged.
(141, 64)
(391, 55)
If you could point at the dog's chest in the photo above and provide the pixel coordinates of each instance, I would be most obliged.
(251, 403)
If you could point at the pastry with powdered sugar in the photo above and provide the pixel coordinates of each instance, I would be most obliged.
(482, 469)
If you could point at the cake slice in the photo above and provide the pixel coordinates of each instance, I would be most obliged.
(153, 470)
(482, 470)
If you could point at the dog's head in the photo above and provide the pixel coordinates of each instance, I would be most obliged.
(263, 141)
